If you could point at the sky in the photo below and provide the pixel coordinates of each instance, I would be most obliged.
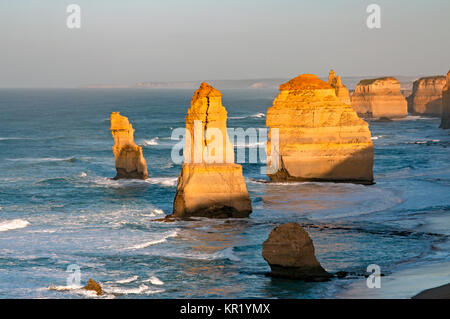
(129, 41)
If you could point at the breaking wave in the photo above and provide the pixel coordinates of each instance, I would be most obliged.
(164, 181)
(154, 281)
(142, 289)
(127, 280)
(259, 115)
(155, 242)
(13, 224)
(151, 142)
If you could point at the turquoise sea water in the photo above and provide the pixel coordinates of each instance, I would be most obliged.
(58, 206)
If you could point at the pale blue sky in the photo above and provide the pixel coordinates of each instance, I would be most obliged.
(135, 40)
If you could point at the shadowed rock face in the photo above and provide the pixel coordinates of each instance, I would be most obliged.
(445, 123)
(426, 98)
(290, 253)
(379, 98)
(320, 137)
(339, 88)
(130, 163)
(209, 188)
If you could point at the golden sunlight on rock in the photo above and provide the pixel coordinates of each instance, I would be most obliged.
(339, 88)
(379, 98)
(130, 162)
(210, 183)
(320, 137)
(426, 98)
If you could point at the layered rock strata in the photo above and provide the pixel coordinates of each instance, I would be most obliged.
(210, 183)
(130, 163)
(426, 98)
(378, 98)
(289, 251)
(314, 136)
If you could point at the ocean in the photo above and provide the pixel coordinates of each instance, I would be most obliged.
(59, 207)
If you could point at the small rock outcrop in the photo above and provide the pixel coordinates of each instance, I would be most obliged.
(210, 184)
(320, 138)
(130, 162)
(379, 97)
(289, 251)
(426, 97)
(445, 122)
(92, 285)
(339, 88)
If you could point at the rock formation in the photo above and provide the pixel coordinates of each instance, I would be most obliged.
(290, 253)
(426, 98)
(92, 285)
(130, 162)
(445, 123)
(319, 137)
(339, 88)
(379, 98)
(210, 183)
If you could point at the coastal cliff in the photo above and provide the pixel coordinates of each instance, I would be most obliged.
(426, 98)
(130, 163)
(210, 183)
(445, 122)
(379, 98)
(319, 137)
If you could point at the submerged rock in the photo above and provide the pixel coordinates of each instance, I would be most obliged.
(210, 183)
(339, 88)
(379, 97)
(426, 98)
(92, 285)
(320, 138)
(130, 162)
(290, 253)
(445, 123)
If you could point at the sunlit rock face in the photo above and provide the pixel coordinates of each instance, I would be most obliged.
(210, 183)
(426, 98)
(130, 163)
(379, 98)
(339, 88)
(289, 251)
(445, 123)
(319, 137)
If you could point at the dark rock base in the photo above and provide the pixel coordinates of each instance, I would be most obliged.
(316, 274)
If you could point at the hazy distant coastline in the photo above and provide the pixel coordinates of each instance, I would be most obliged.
(274, 83)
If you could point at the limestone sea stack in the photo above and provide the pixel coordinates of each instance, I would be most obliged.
(339, 88)
(130, 163)
(319, 137)
(445, 122)
(289, 251)
(379, 98)
(426, 97)
(210, 184)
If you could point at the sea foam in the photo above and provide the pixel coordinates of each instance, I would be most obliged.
(155, 242)
(13, 224)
